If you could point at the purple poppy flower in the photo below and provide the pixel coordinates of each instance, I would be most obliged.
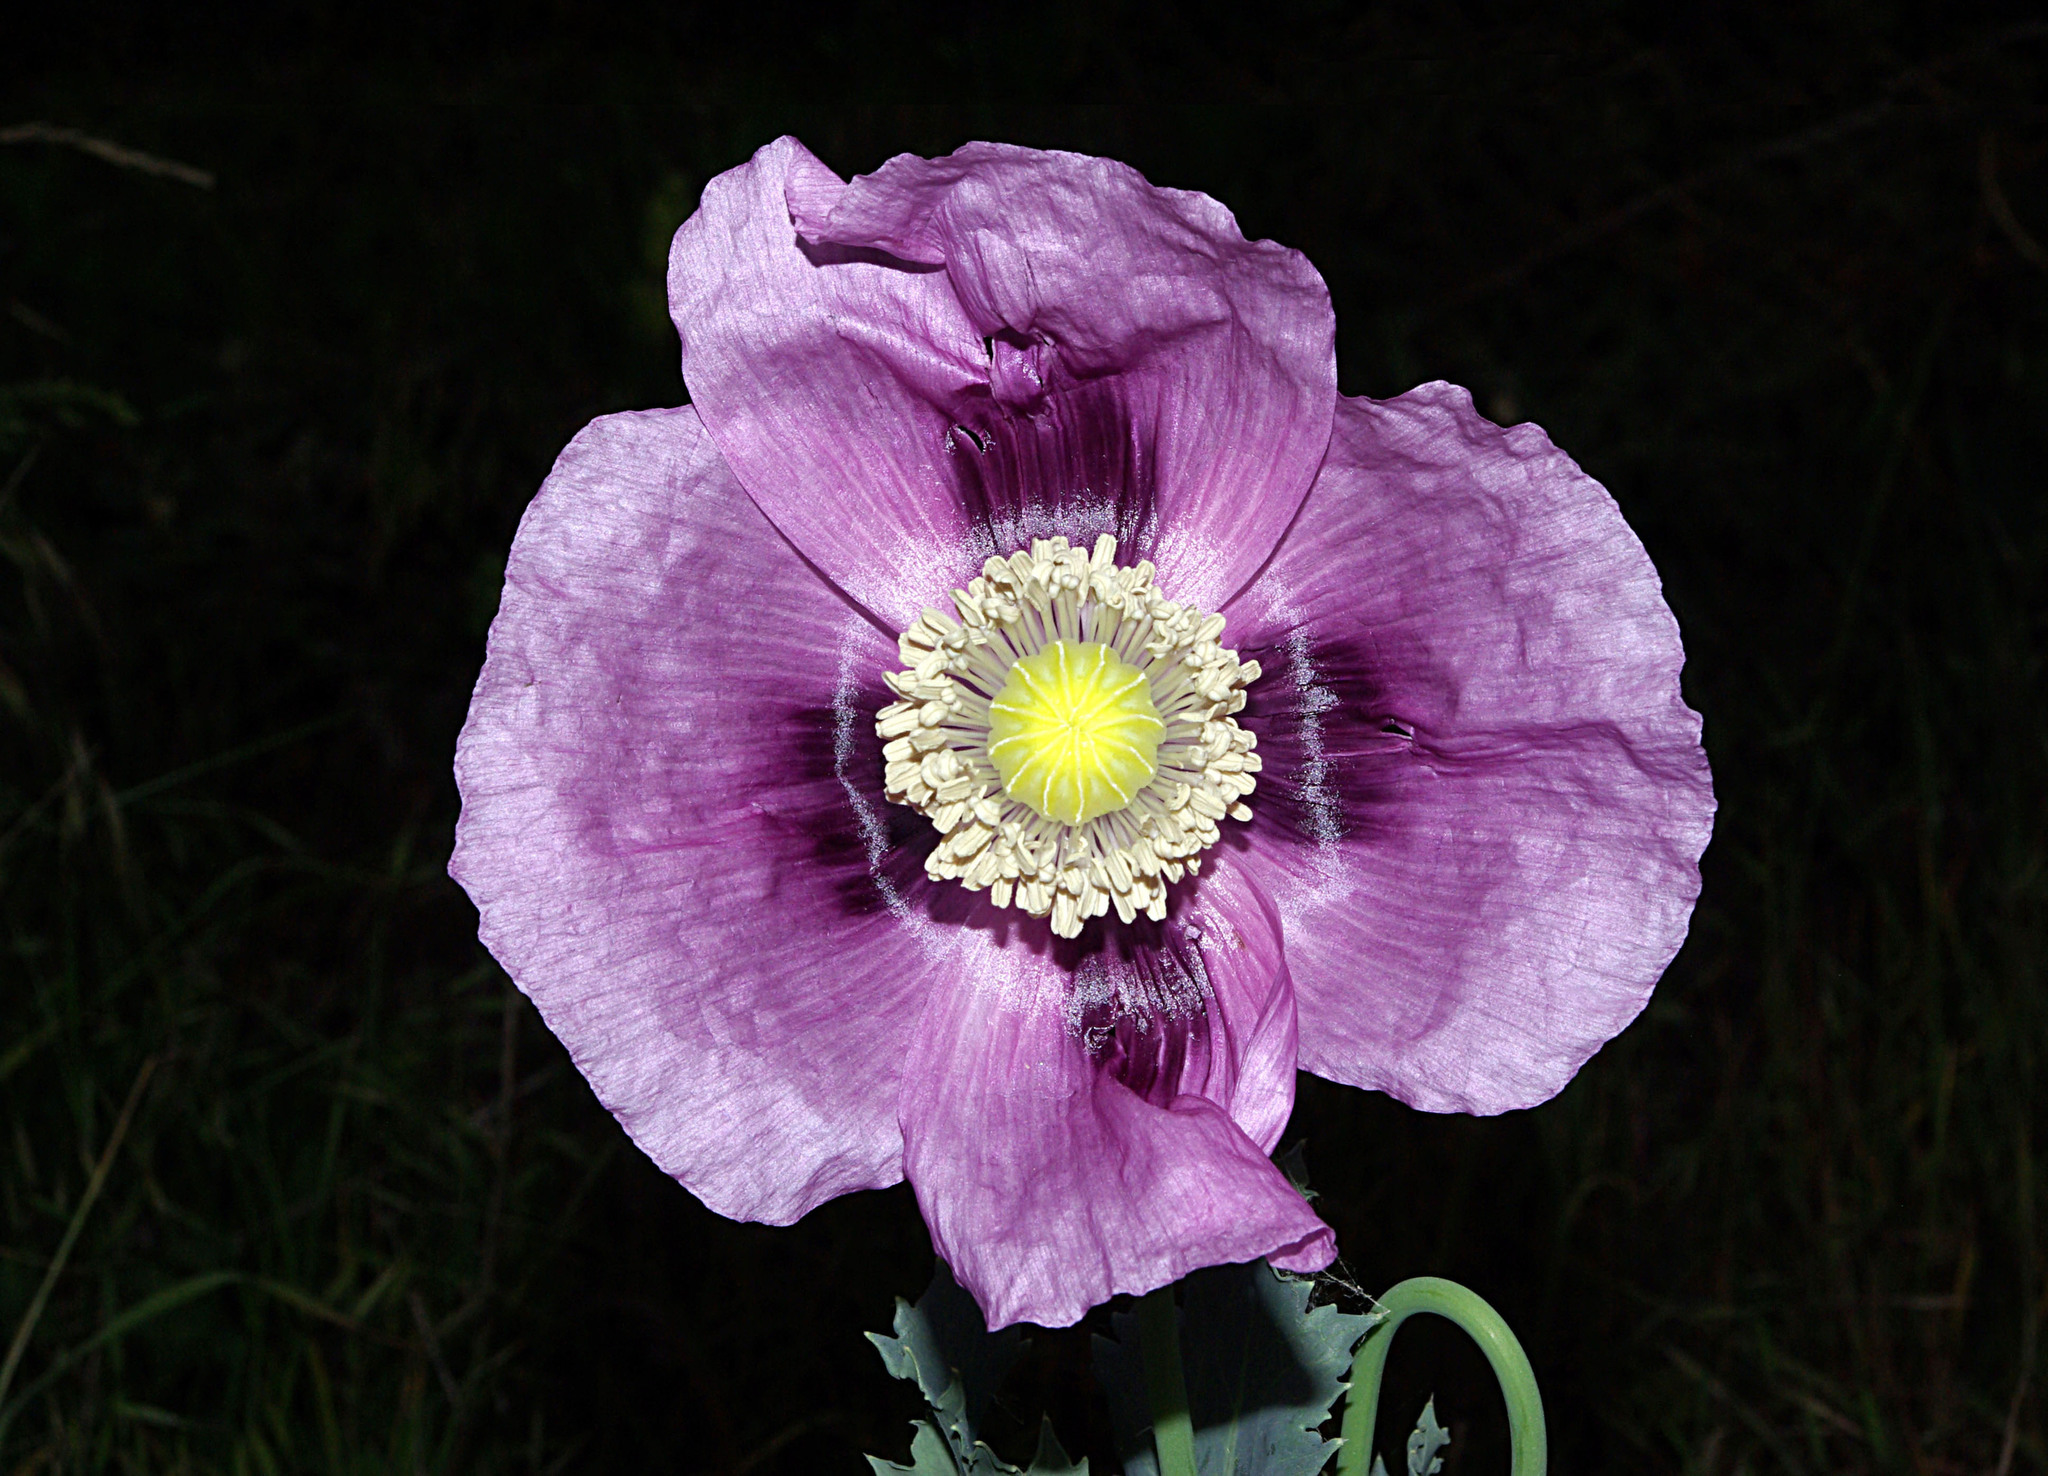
(1040, 902)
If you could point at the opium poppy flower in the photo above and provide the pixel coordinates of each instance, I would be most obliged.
(1017, 713)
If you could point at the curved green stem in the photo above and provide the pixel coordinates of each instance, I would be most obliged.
(1173, 1433)
(1470, 1311)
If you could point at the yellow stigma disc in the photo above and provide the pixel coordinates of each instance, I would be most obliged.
(1074, 733)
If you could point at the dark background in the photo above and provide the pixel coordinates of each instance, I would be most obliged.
(1779, 279)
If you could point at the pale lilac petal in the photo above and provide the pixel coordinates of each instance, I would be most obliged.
(1484, 799)
(825, 386)
(1092, 1119)
(963, 354)
(670, 830)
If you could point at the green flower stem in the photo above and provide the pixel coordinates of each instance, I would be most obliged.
(1173, 1434)
(1471, 1312)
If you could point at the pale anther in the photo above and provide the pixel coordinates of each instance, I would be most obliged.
(1070, 734)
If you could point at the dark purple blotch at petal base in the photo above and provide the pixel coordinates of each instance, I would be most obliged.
(1484, 799)
(1078, 466)
(1331, 761)
(873, 850)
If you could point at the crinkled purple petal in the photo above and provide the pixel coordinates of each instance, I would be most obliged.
(1089, 1119)
(823, 385)
(1484, 799)
(670, 830)
(966, 353)
(1078, 271)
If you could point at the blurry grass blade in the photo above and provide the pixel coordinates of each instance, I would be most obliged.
(231, 757)
(11, 1059)
(32, 813)
(433, 1346)
(375, 1292)
(149, 1414)
(119, 155)
(169, 1299)
(71, 1232)
(1759, 1426)
(2000, 208)
(19, 475)
(312, 1306)
(323, 1402)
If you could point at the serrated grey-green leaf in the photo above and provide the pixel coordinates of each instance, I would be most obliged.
(929, 1455)
(1263, 1369)
(1425, 1441)
(1052, 1458)
(943, 1345)
(1293, 1162)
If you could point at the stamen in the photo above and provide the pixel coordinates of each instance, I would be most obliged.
(1069, 735)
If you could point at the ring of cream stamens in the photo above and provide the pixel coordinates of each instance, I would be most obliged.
(937, 735)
